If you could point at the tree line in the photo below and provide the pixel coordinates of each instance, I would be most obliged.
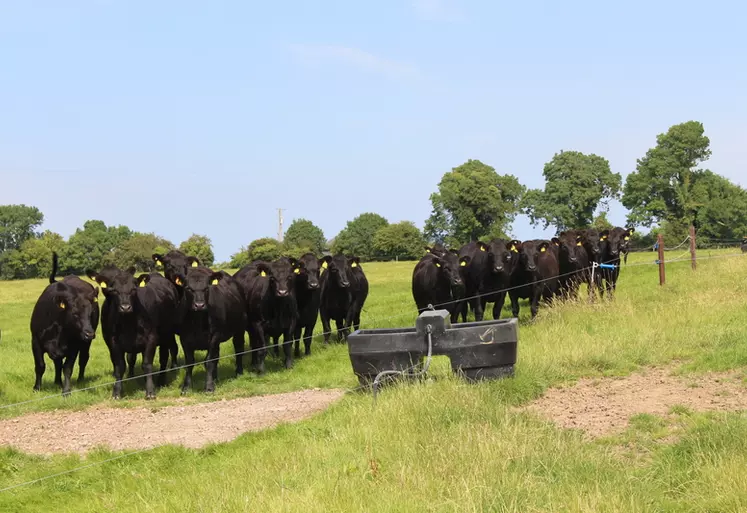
(667, 192)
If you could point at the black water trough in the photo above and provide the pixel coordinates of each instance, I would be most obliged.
(477, 350)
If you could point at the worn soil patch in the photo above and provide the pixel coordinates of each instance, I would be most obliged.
(193, 425)
(604, 406)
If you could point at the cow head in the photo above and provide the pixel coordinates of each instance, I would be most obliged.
(530, 253)
(617, 241)
(119, 287)
(450, 266)
(592, 241)
(75, 311)
(339, 270)
(500, 256)
(566, 248)
(436, 249)
(307, 271)
(197, 285)
(281, 275)
(175, 263)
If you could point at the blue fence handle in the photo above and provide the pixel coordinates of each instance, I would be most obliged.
(607, 266)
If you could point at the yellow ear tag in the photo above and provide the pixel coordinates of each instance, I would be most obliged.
(178, 281)
(194, 263)
(95, 299)
(262, 274)
(482, 248)
(438, 265)
(62, 306)
(324, 265)
(354, 264)
(142, 284)
(463, 264)
(579, 244)
(158, 262)
(627, 238)
(215, 281)
(513, 249)
(103, 284)
(297, 270)
(542, 250)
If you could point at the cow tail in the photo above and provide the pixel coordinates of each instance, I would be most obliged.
(54, 268)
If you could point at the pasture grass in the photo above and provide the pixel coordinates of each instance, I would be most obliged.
(439, 444)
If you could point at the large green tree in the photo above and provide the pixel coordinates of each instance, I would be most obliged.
(93, 246)
(303, 234)
(33, 259)
(575, 186)
(266, 248)
(137, 251)
(472, 202)
(17, 225)
(401, 240)
(661, 187)
(199, 246)
(721, 211)
(357, 238)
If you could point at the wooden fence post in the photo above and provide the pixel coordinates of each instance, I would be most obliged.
(692, 248)
(662, 274)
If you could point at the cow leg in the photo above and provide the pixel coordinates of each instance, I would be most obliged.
(173, 350)
(462, 310)
(456, 309)
(58, 372)
(120, 367)
(534, 305)
(131, 360)
(39, 365)
(163, 360)
(478, 308)
(515, 308)
(326, 326)
(257, 345)
(297, 340)
(189, 360)
(276, 345)
(212, 366)
(498, 305)
(85, 354)
(288, 349)
(148, 355)
(67, 371)
(307, 336)
(340, 325)
(238, 350)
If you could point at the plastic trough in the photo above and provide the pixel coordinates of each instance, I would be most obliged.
(477, 350)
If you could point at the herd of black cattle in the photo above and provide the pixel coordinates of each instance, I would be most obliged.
(284, 298)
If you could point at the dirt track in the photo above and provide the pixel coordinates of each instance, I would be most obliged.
(192, 425)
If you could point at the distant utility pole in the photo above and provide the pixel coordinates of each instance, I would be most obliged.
(280, 225)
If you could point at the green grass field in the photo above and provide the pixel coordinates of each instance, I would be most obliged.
(437, 445)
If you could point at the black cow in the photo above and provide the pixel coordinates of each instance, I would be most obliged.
(535, 275)
(63, 325)
(474, 276)
(438, 281)
(138, 318)
(358, 292)
(625, 246)
(212, 311)
(308, 297)
(437, 249)
(613, 242)
(272, 310)
(336, 299)
(498, 279)
(573, 264)
(591, 242)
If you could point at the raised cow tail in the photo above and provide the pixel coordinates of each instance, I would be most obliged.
(54, 268)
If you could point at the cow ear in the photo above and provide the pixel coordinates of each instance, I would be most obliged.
(627, 234)
(514, 246)
(193, 261)
(264, 270)
(60, 302)
(579, 241)
(91, 274)
(216, 278)
(604, 234)
(132, 270)
(464, 261)
(179, 280)
(543, 247)
(482, 246)
(143, 280)
(438, 262)
(324, 262)
(98, 279)
(561, 234)
(355, 262)
(158, 260)
(556, 241)
(428, 249)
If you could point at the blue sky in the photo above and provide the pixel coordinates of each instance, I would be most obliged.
(183, 116)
